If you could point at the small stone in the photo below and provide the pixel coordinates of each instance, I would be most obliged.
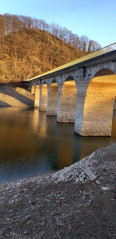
(70, 228)
(97, 182)
(14, 234)
(105, 188)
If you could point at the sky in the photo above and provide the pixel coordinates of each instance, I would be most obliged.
(95, 19)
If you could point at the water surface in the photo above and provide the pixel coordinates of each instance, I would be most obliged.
(32, 144)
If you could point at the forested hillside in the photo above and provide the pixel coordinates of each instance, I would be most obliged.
(29, 47)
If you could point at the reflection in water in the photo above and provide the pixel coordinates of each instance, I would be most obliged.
(38, 123)
(31, 143)
(67, 145)
(35, 120)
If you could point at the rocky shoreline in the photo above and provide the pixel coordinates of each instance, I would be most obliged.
(78, 202)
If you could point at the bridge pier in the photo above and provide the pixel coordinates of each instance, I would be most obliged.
(36, 101)
(44, 96)
(81, 92)
(59, 99)
(33, 89)
(115, 104)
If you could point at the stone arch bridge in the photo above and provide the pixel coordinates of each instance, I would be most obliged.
(82, 91)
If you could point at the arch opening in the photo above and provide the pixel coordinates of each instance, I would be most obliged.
(36, 102)
(53, 99)
(98, 105)
(43, 106)
(104, 72)
(68, 101)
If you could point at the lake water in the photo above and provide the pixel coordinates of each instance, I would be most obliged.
(32, 144)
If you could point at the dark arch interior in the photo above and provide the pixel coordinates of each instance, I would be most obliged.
(104, 72)
(54, 81)
(44, 83)
(69, 78)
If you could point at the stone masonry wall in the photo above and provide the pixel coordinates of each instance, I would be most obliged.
(98, 106)
(68, 102)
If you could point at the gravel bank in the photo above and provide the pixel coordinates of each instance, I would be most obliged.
(78, 202)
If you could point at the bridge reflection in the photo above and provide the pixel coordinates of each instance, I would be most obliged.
(36, 144)
(61, 144)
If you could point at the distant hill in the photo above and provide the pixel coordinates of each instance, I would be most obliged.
(29, 47)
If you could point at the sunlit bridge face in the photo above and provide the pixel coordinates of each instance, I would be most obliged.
(33, 89)
(98, 106)
(68, 102)
(36, 103)
(43, 106)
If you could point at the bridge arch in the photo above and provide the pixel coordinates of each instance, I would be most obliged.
(102, 69)
(37, 93)
(53, 98)
(44, 94)
(68, 101)
(99, 103)
(103, 72)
